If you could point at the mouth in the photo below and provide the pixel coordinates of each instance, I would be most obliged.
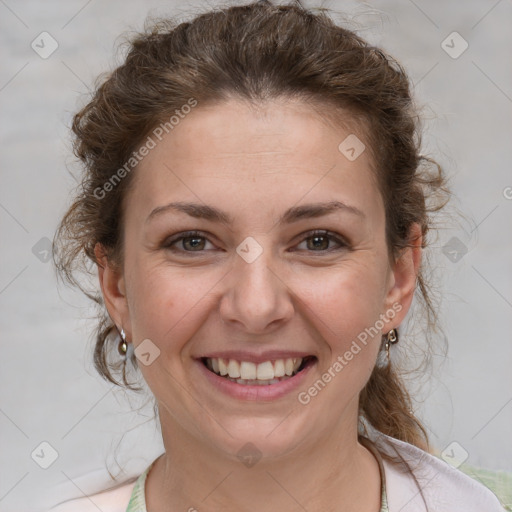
(266, 373)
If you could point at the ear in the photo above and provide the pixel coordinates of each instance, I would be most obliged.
(403, 276)
(113, 290)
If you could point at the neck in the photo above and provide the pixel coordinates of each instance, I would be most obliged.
(334, 473)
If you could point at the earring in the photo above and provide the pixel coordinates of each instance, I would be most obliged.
(123, 346)
(391, 339)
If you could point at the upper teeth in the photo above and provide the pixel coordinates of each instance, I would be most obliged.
(267, 370)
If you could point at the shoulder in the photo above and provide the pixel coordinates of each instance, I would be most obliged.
(441, 486)
(112, 500)
(499, 482)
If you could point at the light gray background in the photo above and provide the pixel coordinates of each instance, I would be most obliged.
(49, 390)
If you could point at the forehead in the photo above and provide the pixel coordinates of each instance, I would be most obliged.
(271, 153)
(281, 128)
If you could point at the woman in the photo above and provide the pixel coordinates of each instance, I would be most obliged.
(256, 206)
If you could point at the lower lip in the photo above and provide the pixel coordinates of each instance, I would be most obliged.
(248, 392)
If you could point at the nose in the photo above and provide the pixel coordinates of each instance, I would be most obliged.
(256, 297)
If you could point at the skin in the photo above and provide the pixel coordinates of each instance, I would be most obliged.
(254, 164)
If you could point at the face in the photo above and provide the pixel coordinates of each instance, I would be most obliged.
(287, 259)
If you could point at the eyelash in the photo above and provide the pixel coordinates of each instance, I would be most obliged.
(168, 243)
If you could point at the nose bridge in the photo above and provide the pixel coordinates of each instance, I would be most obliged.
(256, 296)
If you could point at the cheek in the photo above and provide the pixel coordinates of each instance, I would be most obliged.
(167, 304)
(343, 306)
(344, 301)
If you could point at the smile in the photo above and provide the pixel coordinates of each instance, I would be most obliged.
(265, 373)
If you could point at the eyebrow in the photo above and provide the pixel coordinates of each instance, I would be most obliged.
(294, 214)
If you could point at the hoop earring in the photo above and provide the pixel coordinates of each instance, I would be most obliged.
(391, 339)
(123, 345)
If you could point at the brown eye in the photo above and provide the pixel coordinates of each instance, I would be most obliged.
(195, 242)
(320, 241)
(190, 242)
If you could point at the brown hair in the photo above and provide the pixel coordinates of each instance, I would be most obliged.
(255, 52)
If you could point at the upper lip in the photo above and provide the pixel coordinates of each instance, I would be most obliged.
(256, 357)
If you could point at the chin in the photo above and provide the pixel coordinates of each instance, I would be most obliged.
(256, 439)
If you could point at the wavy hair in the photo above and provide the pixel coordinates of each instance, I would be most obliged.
(255, 52)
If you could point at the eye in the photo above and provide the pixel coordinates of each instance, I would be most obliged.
(319, 240)
(192, 241)
(195, 241)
